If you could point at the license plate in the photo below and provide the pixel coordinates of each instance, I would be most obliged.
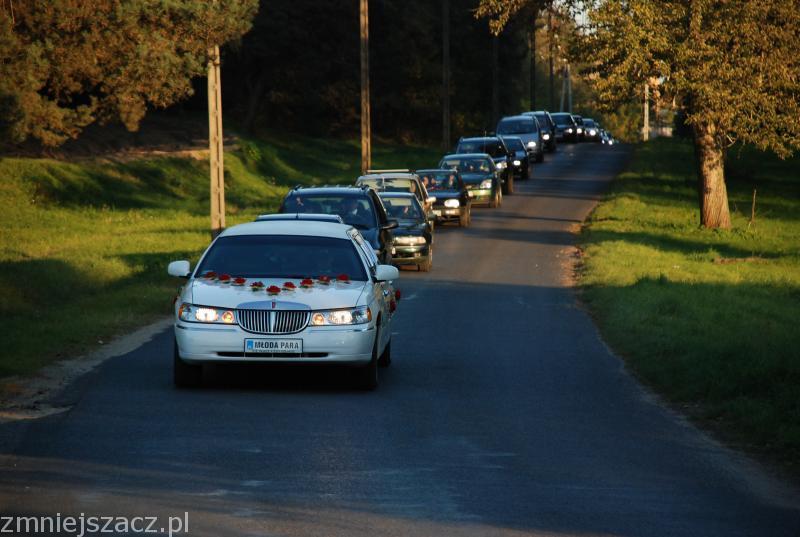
(294, 346)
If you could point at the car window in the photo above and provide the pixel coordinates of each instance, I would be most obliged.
(514, 144)
(443, 182)
(516, 126)
(355, 210)
(402, 208)
(467, 165)
(283, 256)
(493, 148)
(562, 119)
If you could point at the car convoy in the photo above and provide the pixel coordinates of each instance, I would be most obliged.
(315, 282)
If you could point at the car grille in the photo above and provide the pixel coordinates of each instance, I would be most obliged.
(273, 322)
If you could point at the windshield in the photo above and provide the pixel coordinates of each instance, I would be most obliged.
(493, 148)
(441, 182)
(542, 119)
(514, 144)
(390, 184)
(589, 123)
(560, 119)
(283, 256)
(404, 208)
(467, 165)
(355, 211)
(516, 126)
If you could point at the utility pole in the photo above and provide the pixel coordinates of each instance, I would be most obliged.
(366, 129)
(532, 52)
(215, 146)
(646, 113)
(563, 87)
(495, 81)
(550, 47)
(446, 137)
(569, 89)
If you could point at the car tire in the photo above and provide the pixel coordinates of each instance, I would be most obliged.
(426, 266)
(366, 377)
(495, 203)
(385, 359)
(185, 375)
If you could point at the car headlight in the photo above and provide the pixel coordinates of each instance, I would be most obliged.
(359, 315)
(410, 240)
(569, 130)
(453, 204)
(592, 132)
(501, 165)
(531, 144)
(580, 130)
(546, 136)
(517, 163)
(204, 314)
(486, 183)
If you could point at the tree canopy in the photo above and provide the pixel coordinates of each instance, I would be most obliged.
(65, 64)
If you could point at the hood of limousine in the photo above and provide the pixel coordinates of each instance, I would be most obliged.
(318, 297)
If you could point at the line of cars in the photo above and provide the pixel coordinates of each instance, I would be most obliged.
(314, 283)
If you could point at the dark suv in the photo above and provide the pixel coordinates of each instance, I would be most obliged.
(548, 128)
(566, 127)
(359, 207)
(495, 147)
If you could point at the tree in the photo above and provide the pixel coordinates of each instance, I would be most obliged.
(733, 67)
(65, 64)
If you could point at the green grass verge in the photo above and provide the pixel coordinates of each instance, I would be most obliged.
(708, 318)
(85, 244)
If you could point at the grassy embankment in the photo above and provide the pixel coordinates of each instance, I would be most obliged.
(708, 318)
(85, 244)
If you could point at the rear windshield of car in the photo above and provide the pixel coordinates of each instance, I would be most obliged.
(492, 148)
(467, 165)
(562, 119)
(514, 144)
(283, 256)
(516, 126)
(442, 182)
(355, 211)
(391, 184)
(402, 208)
(542, 118)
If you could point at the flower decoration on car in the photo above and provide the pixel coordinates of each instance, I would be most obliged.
(210, 275)
(324, 280)
(257, 286)
(307, 283)
(289, 286)
(273, 289)
(224, 278)
(343, 278)
(239, 281)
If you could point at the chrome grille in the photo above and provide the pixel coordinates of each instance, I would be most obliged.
(273, 322)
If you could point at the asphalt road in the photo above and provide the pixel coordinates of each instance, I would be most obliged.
(502, 414)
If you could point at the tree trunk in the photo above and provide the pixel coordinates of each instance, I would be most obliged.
(714, 212)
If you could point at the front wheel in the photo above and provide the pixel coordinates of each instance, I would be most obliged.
(185, 375)
(366, 377)
(385, 359)
(463, 218)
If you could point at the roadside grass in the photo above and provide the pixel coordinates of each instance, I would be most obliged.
(85, 244)
(708, 318)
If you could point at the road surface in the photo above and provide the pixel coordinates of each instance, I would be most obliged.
(502, 414)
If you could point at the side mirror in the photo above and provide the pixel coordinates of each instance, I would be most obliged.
(179, 269)
(385, 273)
(391, 224)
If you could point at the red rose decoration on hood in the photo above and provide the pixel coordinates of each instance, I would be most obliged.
(225, 278)
(344, 278)
(306, 283)
(325, 280)
(257, 286)
(273, 289)
(210, 275)
(239, 281)
(289, 285)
